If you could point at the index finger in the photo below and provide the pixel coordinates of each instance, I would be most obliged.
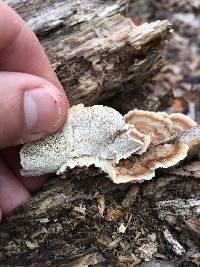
(20, 49)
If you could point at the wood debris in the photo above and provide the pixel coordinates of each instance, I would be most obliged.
(177, 248)
(148, 249)
(113, 214)
(101, 204)
(191, 169)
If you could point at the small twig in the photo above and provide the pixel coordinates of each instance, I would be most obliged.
(176, 246)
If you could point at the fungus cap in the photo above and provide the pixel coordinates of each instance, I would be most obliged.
(181, 122)
(140, 168)
(150, 123)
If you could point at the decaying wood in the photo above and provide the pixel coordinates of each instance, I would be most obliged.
(191, 169)
(64, 224)
(94, 51)
(52, 15)
(85, 219)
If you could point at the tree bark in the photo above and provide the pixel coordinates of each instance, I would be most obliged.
(94, 50)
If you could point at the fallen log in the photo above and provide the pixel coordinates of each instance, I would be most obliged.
(94, 50)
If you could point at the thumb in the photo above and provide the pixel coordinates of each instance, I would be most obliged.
(31, 108)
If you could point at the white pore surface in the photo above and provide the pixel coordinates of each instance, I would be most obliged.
(92, 135)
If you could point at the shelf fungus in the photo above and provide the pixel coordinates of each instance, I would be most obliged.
(181, 122)
(158, 127)
(127, 148)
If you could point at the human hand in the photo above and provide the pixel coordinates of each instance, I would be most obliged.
(32, 102)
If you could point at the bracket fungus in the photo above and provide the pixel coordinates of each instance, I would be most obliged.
(127, 148)
(150, 123)
(140, 168)
(181, 122)
(92, 135)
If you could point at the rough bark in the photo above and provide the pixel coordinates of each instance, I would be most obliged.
(94, 50)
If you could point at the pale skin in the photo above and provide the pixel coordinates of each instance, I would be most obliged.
(33, 104)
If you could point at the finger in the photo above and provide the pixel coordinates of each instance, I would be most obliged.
(20, 49)
(33, 184)
(0, 214)
(12, 159)
(31, 108)
(12, 191)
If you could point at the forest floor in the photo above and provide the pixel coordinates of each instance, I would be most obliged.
(177, 88)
